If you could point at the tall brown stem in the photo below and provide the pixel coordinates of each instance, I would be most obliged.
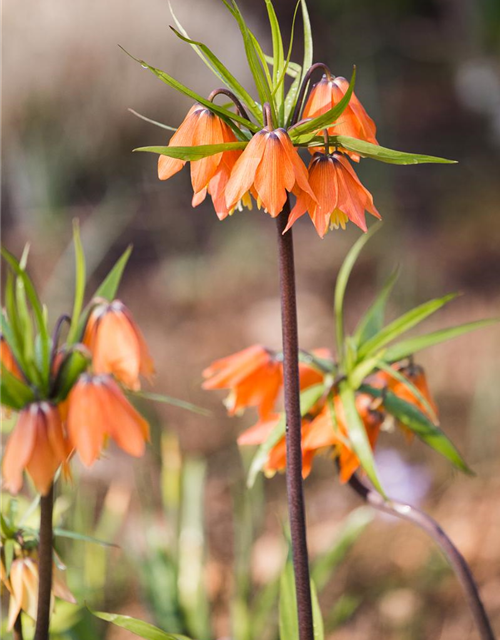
(293, 427)
(45, 566)
(455, 558)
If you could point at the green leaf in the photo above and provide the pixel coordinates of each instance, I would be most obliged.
(288, 621)
(326, 119)
(8, 334)
(358, 436)
(8, 553)
(409, 415)
(407, 347)
(225, 114)
(374, 151)
(350, 530)
(80, 279)
(308, 40)
(402, 324)
(308, 399)
(341, 285)
(216, 66)
(156, 397)
(278, 51)
(194, 153)
(155, 122)
(37, 309)
(139, 627)
(373, 320)
(17, 393)
(73, 535)
(73, 365)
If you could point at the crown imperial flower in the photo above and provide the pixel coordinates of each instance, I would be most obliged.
(117, 344)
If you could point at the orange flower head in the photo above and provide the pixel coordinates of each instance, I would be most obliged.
(353, 122)
(269, 167)
(8, 360)
(202, 127)
(340, 196)
(117, 344)
(253, 376)
(37, 444)
(97, 409)
(22, 584)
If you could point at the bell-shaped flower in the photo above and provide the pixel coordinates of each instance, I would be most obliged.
(97, 410)
(253, 376)
(201, 127)
(269, 167)
(22, 583)
(117, 344)
(353, 122)
(37, 444)
(340, 196)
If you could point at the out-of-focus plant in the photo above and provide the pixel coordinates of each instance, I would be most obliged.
(70, 396)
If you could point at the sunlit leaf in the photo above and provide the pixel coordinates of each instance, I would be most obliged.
(402, 324)
(409, 415)
(157, 397)
(407, 347)
(80, 279)
(358, 436)
(155, 122)
(278, 51)
(373, 320)
(194, 153)
(139, 627)
(374, 151)
(73, 535)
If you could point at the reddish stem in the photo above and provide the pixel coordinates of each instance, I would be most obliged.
(45, 566)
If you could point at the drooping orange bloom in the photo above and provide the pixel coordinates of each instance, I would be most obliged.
(8, 360)
(97, 409)
(269, 167)
(353, 122)
(37, 444)
(202, 127)
(117, 344)
(253, 376)
(22, 583)
(340, 196)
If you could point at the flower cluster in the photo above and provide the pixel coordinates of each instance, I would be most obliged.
(254, 378)
(73, 399)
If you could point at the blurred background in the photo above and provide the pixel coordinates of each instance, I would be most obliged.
(429, 74)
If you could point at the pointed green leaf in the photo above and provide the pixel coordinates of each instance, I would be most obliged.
(308, 40)
(73, 535)
(17, 393)
(402, 324)
(194, 153)
(409, 415)
(80, 279)
(358, 436)
(308, 399)
(278, 51)
(157, 397)
(328, 118)
(218, 69)
(341, 284)
(73, 365)
(374, 151)
(226, 115)
(408, 347)
(288, 621)
(155, 122)
(373, 320)
(8, 553)
(139, 627)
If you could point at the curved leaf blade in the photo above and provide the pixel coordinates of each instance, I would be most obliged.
(139, 627)
(192, 154)
(383, 154)
(373, 320)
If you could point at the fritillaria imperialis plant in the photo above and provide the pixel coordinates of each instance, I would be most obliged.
(246, 153)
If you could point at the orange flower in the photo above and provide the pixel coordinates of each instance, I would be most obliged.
(8, 360)
(340, 195)
(22, 584)
(97, 409)
(117, 344)
(353, 122)
(253, 376)
(201, 127)
(37, 444)
(269, 167)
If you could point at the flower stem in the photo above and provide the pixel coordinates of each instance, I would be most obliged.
(45, 566)
(455, 558)
(293, 427)
(17, 631)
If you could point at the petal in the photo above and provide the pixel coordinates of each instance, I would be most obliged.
(227, 372)
(243, 173)
(208, 131)
(19, 449)
(123, 423)
(86, 426)
(320, 99)
(272, 175)
(183, 137)
(259, 432)
(301, 207)
(299, 168)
